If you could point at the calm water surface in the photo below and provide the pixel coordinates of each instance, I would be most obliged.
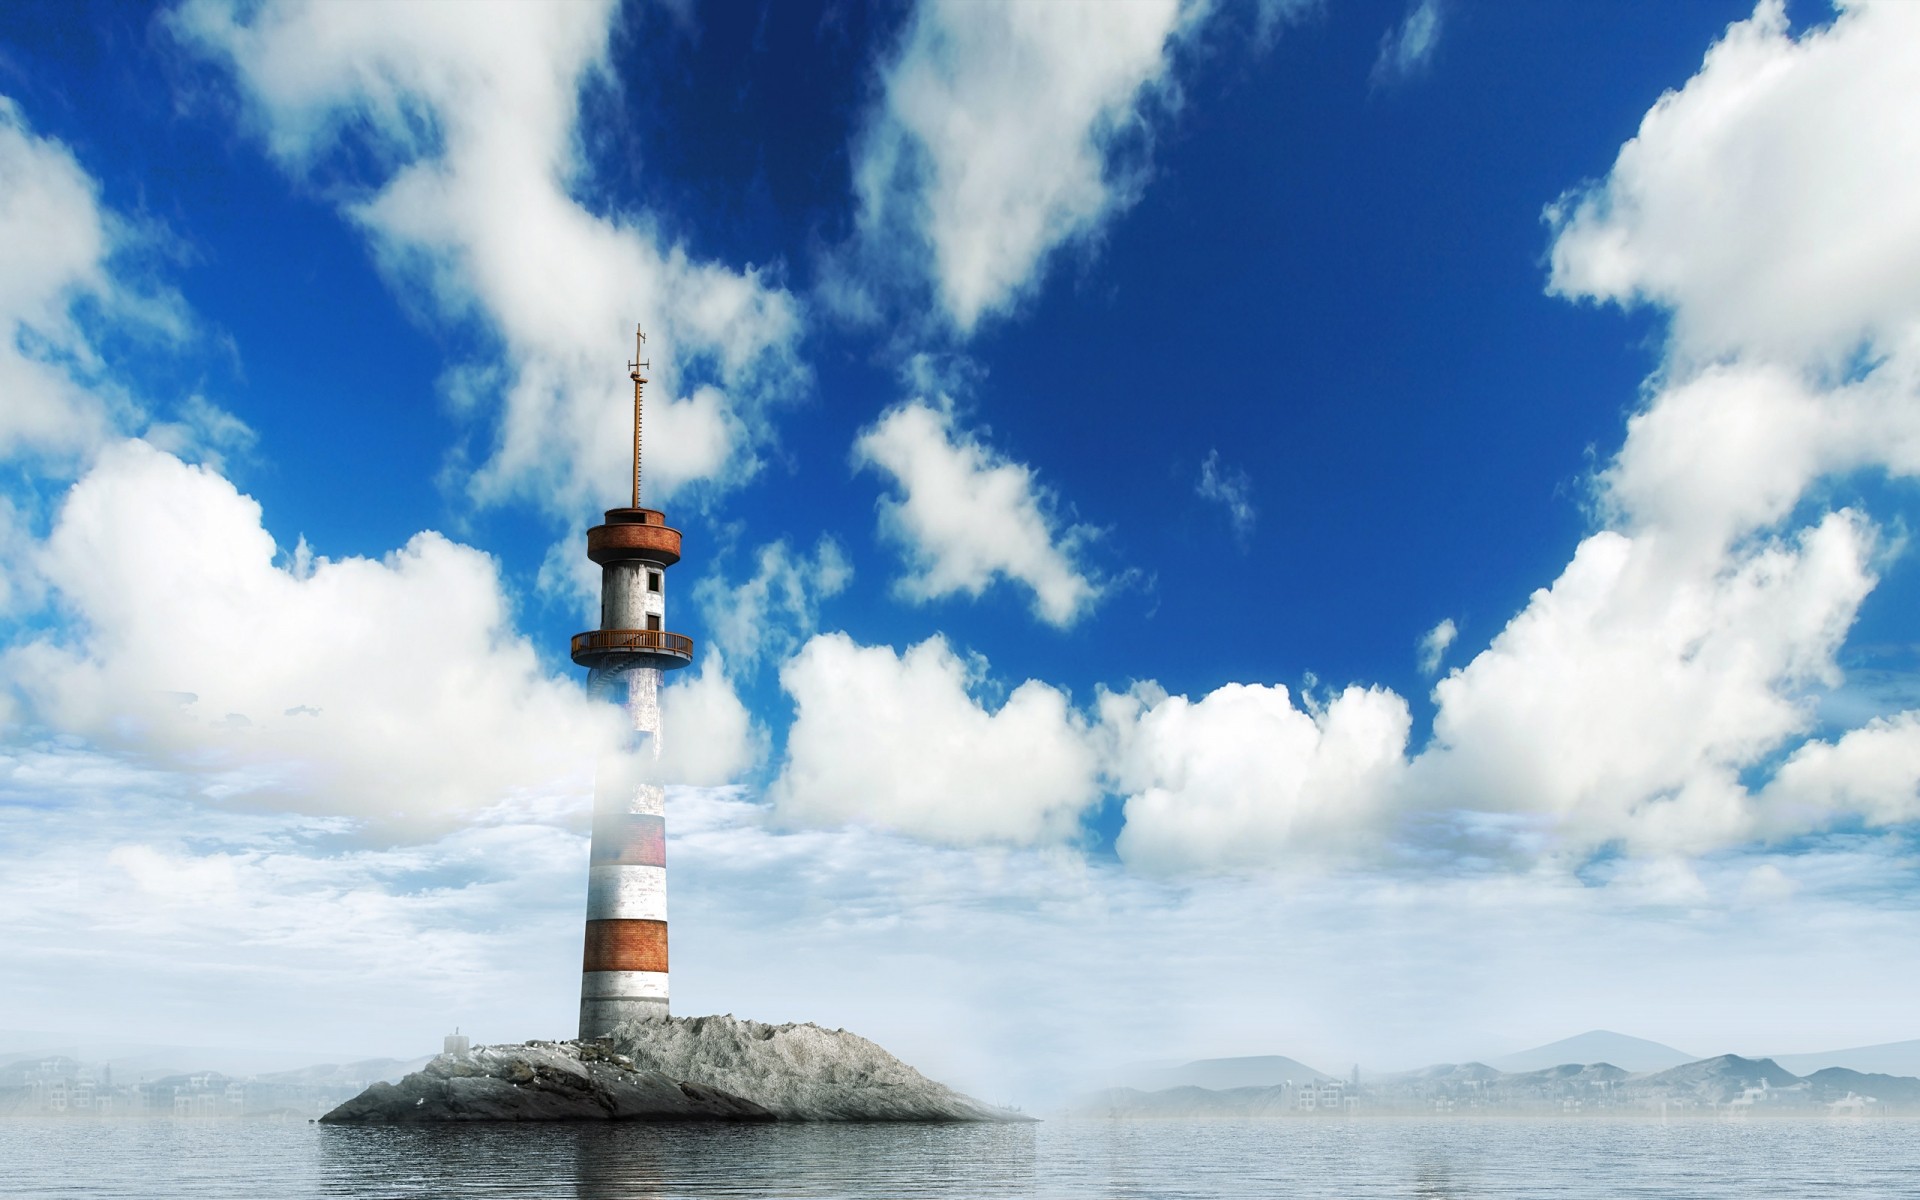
(1367, 1158)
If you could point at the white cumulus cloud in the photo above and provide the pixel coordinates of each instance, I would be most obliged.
(1646, 696)
(966, 515)
(1760, 204)
(1735, 447)
(1766, 204)
(392, 691)
(1873, 771)
(1242, 777)
(901, 741)
(991, 145)
(1626, 700)
(470, 111)
(707, 736)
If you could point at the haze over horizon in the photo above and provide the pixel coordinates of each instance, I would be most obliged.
(1638, 1057)
(1353, 531)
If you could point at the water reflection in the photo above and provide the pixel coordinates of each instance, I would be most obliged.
(637, 1162)
(1058, 1160)
(1438, 1181)
(660, 1161)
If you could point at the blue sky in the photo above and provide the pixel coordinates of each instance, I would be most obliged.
(1183, 500)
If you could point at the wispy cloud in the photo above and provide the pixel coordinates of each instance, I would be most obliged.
(301, 939)
(71, 269)
(1230, 488)
(1407, 49)
(990, 146)
(1002, 133)
(1434, 646)
(967, 515)
(768, 614)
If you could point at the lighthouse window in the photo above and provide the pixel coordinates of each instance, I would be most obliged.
(653, 581)
(653, 620)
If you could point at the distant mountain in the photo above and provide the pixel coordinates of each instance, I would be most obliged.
(1568, 1073)
(1728, 1084)
(1188, 1102)
(1893, 1058)
(1221, 1074)
(1449, 1073)
(1837, 1083)
(1632, 1054)
(355, 1074)
(1718, 1080)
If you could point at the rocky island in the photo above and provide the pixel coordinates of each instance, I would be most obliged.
(671, 1069)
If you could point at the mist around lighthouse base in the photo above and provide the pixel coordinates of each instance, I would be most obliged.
(716, 1068)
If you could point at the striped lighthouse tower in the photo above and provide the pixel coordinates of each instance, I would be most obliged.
(624, 972)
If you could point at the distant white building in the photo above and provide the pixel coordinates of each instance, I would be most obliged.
(1851, 1106)
(1325, 1095)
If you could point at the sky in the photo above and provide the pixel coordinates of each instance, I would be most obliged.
(1374, 532)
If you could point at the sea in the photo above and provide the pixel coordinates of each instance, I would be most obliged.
(1427, 1158)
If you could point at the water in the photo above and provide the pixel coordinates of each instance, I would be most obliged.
(1068, 1159)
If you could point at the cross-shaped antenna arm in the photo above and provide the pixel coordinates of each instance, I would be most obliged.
(639, 363)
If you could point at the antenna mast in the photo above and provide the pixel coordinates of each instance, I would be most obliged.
(636, 371)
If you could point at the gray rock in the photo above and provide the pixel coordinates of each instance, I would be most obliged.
(798, 1072)
(540, 1081)
(700, 1068)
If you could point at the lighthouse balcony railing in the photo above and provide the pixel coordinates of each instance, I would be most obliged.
(656, 641)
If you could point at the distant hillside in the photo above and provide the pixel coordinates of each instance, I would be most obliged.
(1633, 1054)
(1568, 1073)
(1728, 1084)
(1259, 1071)
(1718, 1080)
(1893, 1058)
(1837, 1083)
(355, 1074)
(1188, 1102)
(1449, 1073)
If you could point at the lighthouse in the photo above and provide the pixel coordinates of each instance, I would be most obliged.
(624, 971)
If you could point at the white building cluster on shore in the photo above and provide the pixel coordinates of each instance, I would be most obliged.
(62, 1087)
